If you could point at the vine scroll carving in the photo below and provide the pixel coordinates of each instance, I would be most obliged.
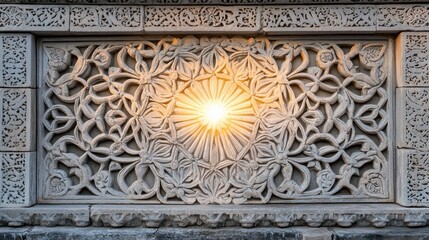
(124, 121)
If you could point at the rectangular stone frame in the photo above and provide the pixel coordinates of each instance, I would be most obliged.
(373, 18)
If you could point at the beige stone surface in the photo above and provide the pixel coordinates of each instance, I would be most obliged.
(122, 19)
(412, 59)
(318, 18)
(204, 19)
(294, 128)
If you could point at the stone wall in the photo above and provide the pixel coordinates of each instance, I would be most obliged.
(333, 96)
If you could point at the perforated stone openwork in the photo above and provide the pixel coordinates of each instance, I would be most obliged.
(215, 120)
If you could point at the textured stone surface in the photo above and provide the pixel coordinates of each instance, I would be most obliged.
(310, 18)
(200, 2)
(314, 215)
(138, 126)
(17, 179)
(17, 60)
(106, 18)
(412, 118)
(35, 18)
(297, 233)
(413, 180)
(40, 215)
(401, 17)
(163, 19)
(17, 118)
(412, 59)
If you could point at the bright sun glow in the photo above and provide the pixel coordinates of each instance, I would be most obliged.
(215, 115)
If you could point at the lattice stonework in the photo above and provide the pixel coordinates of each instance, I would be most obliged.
(297, 121)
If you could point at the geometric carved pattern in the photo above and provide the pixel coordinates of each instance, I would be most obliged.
(16, 65)
(413, 59)
(211, 18)
(302, 120)
(17, 179)
(28, 18)
(106, 18)
(17, 112)
(413, 118)
(319, 18)
(413, 185)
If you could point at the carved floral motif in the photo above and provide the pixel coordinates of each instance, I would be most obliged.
(304, 120)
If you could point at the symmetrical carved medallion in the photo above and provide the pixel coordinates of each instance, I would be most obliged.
(216, 120)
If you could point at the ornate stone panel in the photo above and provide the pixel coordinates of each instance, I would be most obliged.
(413, 185)
(413, 59)
(293, 19)
(17, 179)
(412, 118)
(215, 120)
(106, 18)
(17, 128)
(17, 63)
(402, 17)
(164, 19)
(34, 18)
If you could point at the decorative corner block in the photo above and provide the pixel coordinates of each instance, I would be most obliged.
(34, 18)
(173, 19)
(413, 59)
(18, 179)
(17, 60)
(106, 18)
(413, 178)
(412, 110)
(17, 119)
(313, 19)
(402, 17)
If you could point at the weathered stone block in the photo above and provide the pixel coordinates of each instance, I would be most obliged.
(164, 19)
(412, 125)
(17, 179)
(17, 60)
(35, 18)
(413, 178)
(402, 17)
(412, 59)
(106, 18)
(17, 118)
(318, 18)
(43, 215)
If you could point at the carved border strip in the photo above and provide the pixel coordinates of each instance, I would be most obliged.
(345, 215)
(17, 66)
(35, 18)
(205, 2)
(275, 19)
(106, 18)
(201, 18)
(412, 110)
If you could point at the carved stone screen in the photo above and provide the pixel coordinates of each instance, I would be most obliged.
(215, 120)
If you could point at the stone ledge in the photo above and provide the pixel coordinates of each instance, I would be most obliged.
(44, 215)
(294, 233)
(314, 215)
